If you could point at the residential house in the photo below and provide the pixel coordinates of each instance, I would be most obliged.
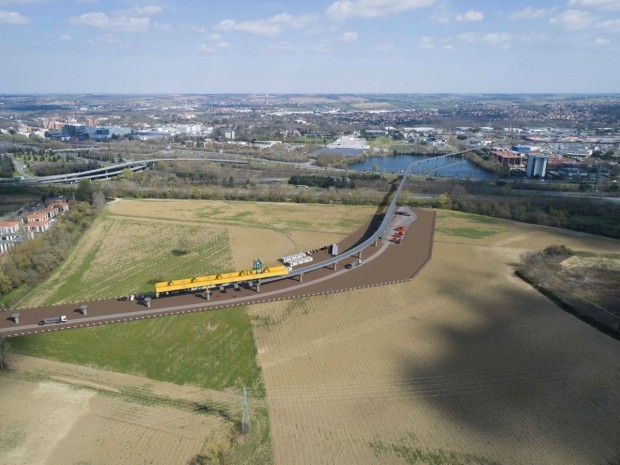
(10, 234)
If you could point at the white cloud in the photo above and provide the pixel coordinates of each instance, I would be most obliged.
(427, 42)
(573, 20)
(529, 13)
(103, 21)
(499, 38)
(106, 39)
(293, 47)
(343, 9)
(610, 25)
(470, 16)
(494, 39)
(349, 36)
(133, 20)
(140, 11)
(65, 37)
(601, 42)
(214, 47)
(12, 18)
(210, 48)
(602, 4)
(268, 27)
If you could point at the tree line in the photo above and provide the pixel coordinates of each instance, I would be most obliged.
(6, 166)
(583, 215)
(31, 262)
(49, 169)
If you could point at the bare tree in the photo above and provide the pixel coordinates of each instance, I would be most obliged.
(98, 200)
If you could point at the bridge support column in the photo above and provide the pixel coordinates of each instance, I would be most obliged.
(359, 254)
(208, 295)
(301, 278)
(335, 265)
(258, 286)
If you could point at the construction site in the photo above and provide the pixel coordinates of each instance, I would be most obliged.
(378, 259)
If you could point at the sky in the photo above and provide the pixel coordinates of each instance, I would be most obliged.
(311, 46)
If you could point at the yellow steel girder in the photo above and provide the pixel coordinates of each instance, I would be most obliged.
(217, 279)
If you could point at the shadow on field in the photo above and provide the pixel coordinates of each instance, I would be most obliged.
(376, 219)
(522, 375)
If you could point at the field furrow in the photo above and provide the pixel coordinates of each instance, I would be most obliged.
(465, 361)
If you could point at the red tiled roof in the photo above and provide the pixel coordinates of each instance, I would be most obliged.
(36, 224)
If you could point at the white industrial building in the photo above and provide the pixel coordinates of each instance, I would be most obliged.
(536, 166)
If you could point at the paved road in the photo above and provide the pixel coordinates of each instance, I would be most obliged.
(21, 169)
(112, 170)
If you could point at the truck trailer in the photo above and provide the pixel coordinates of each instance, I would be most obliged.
(52, 320)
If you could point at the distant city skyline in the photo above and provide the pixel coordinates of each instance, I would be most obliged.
(324, 46)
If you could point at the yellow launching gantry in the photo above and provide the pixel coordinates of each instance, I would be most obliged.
(204, 282)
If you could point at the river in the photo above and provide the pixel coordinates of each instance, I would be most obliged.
(397, 163)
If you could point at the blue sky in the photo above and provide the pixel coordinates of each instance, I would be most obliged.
(319, 46)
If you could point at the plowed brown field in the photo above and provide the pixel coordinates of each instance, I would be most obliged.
(465, 362)
(57, 413)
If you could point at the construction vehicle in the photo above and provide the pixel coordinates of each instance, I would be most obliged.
(398, 235)
(52, 320)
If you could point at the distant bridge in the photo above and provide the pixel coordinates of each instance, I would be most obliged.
(429, 165)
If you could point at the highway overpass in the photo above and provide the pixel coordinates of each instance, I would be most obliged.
(110, 171)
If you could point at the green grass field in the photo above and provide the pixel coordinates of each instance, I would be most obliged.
(122, 256)
(214, 350)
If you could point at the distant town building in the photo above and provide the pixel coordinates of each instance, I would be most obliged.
(524, 148)
(536, 166)
(506, 157)
(349, 142)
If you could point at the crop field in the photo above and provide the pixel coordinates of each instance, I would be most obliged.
(464, 364)
(336, 219)
(77, 421)
(203, 358)
(138, 242)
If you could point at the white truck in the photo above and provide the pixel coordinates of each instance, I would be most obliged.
(52, 320)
